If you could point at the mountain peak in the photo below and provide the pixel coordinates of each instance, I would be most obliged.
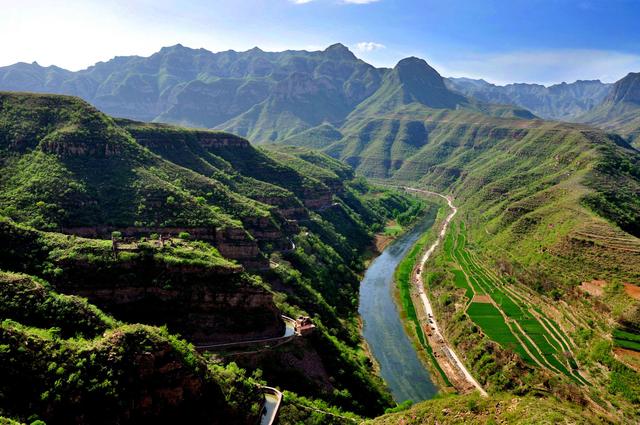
(339, 51)
(626, 90)
(175, 48)
(417, 72)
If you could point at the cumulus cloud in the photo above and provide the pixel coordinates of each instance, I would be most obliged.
(369, 46)
(543, 66)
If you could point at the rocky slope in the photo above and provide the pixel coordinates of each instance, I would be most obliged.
(265, 96)
(254, 93)
(620, 110)
(564, 102)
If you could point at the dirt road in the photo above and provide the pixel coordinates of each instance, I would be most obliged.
(436, 339)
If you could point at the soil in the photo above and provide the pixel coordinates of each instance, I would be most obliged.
(629, 357)
(381, 241)
(595, 287)
(632, 290)
(485, 299)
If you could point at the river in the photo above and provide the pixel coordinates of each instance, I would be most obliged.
(400, 367)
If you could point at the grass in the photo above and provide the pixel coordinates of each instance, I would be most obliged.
(403, 280)
(543, 340)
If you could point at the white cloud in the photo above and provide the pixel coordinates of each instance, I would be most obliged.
(301, 1)
(541, 66)
(369, 46)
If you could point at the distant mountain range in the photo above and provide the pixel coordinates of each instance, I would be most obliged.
(562, 101)
(273, 96)
(264, 96)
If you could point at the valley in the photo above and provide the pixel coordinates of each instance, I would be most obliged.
(303, 238)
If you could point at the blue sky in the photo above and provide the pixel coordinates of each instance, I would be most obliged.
(545, 41)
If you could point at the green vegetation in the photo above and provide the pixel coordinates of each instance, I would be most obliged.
(63, 360)
(509, 319)
(404, 284)
(628, 340)
(178, 218)
(301, 410)
(500, 408)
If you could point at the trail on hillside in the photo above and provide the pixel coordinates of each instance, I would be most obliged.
(426, 304)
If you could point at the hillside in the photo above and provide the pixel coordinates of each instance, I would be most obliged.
(543, 207)
(65, 361)
(499, 409)
(197, 230)
(564, 102)
(620, 110)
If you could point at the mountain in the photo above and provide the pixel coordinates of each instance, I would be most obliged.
(534, 285)
(544, 209)
(562, 102)
(196, 230)
(398, 120)
(254, 93)
(620, 111)
(265, 96)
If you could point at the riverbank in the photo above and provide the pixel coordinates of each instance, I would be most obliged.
(406, 298)
(448, 363)
(393, 351)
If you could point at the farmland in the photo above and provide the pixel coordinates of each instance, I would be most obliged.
(506, 315)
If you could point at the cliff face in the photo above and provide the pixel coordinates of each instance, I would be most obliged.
(64, 361)
(626, 90)
(151, 381)
(199, 303)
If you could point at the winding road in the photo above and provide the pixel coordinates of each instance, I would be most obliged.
(289, 334)
(272, 401)
(426, 304)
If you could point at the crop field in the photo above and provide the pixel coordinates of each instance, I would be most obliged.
(627, 340)
(508, 317)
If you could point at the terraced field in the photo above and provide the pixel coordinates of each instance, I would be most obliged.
(506, 314)
(627, 340)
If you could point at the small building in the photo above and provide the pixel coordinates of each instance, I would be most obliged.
(304, 326)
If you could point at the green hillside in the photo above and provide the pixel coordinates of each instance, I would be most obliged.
(65, 361)
(192, 229)
(496, 409)
(544, 206)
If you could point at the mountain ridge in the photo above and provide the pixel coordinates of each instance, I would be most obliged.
(620, 110)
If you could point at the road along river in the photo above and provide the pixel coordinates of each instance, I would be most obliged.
(436, 339)
(400, 367)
